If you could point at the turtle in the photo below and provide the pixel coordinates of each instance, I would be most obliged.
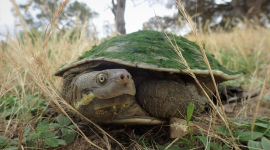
(139, 78)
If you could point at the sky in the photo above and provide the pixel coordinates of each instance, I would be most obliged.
(135, 15)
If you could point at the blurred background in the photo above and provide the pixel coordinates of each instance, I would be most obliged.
(107, 17)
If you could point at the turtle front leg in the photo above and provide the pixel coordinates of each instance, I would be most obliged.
(168, 98)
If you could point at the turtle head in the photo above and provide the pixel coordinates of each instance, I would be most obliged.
(106, 84)
(107, 96)
(97, 91)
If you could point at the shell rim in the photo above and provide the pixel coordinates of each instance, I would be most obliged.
(218, 73)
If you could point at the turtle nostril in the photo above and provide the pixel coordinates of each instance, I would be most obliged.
(127, 76)
(122, 76)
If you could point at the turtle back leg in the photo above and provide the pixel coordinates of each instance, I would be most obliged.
(168, 98)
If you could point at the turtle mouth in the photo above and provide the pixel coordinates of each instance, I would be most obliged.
(125, 110)
(113, 104)
(115, 108)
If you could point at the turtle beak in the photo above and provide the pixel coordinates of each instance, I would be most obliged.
(125, 83)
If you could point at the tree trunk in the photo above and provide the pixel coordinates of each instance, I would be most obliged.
(119, 13)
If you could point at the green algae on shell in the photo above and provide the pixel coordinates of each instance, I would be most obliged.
(152, 50)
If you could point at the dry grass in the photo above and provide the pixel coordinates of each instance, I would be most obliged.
(221, 114)
(28, 62)
(245, 48)
(238, 44)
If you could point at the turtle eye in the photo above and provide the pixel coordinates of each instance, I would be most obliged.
(102, 78)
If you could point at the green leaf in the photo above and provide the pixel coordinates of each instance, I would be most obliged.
(161, 147)
(173, 147)
(15, 141)
(48, 134)
(69, 135)
(190, 110)
(72, 127)
(43, 126)
(53, 142)
(6, 114)
(30, 142)
(253, 145)
(215, 146)
(26, 131)
(262, 124)
(36, 99)
(259, 129)
(11, 100)
(265, 143)
(61, 142)
(266, 97)
(204, 141)
(246, 136)
(238, 132)
(34, 109)
(63, 120)
(28, 97)
(12, 148)
(55, 125)
(225, 147)
(186, 141)
(65, 131)
(222, 129)
(264, 119)
(3, 141)
(267, 133)
(34, 136)
(262, 130)
(243, 124)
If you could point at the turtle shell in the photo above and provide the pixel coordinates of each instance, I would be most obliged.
(152, 50)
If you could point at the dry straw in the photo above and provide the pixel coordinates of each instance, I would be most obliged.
(259, 99)
(33, 60)
(187, 18)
